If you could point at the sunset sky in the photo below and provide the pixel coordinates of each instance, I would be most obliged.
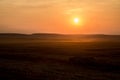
(57, 16)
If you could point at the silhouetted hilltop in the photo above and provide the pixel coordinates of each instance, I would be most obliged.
(61, 36)
(46, 35)
(12, 35)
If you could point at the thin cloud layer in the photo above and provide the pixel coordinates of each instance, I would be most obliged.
(44, 14)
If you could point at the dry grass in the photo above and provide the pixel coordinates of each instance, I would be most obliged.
(39, 60)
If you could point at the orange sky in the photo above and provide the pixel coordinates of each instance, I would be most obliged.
(56, 16)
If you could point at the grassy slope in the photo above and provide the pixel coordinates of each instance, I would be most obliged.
(44, 60)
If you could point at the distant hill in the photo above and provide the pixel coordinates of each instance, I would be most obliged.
(61, 36)
(12, 35)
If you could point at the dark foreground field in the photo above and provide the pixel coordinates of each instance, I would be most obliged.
(59, 60)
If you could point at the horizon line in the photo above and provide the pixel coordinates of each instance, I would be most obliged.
(55, 33)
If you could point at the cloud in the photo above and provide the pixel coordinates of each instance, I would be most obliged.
(31, 3)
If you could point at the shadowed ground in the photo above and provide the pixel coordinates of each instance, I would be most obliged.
(30, 59)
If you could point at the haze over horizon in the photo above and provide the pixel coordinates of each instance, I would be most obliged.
(56, 16)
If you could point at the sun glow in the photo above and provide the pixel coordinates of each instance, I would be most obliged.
(76, 20)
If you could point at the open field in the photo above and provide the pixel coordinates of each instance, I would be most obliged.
(30, 59)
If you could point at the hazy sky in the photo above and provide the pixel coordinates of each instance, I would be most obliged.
(56, 16)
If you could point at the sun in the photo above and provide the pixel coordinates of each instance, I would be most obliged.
(76, 20)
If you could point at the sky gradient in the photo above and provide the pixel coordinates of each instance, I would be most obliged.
(56, 16)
